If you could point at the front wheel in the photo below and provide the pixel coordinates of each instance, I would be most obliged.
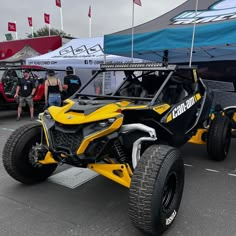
(17, 155)
(156, 189)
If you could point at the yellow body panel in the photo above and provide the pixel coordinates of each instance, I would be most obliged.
(197, 138)
(120, 173)
(197, 96)
(45, 133)
(234, 117)
(195, 77)
(161, 109)
(62, 115)
(124, 105)
(48, 159)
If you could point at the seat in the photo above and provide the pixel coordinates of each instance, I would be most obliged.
(183, 94)
(151, 83)
(174, 93)
(134, 89)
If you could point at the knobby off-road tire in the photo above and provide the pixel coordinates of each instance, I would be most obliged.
(219, 138)
(156, 189)
(16, 159)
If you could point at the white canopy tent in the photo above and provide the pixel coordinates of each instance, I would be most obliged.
(82, 53)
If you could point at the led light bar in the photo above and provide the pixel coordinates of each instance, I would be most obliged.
(137, 66)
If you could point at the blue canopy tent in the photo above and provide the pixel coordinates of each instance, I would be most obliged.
(171, 34)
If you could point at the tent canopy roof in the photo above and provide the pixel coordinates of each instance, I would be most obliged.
(84, 53)
(20, 56)
(215, 34)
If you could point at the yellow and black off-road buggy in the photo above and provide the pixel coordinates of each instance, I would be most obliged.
(130, 134)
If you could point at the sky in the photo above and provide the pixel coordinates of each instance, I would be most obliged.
(108, 16)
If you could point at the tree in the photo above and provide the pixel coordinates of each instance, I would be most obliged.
(44, 32)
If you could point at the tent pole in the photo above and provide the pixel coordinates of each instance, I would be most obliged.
(193, 35)
(103, 76)
(132, 35)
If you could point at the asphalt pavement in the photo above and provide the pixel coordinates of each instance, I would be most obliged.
(99, 206)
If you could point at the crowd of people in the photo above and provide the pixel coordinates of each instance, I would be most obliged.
(54, 91)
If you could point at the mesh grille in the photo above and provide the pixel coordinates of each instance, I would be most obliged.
(66, 140)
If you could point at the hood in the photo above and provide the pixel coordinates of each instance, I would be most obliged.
(88, 111)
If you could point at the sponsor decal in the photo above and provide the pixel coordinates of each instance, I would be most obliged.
(82, 50)
(171, 218)
(180, 109)
(219, 11)
(162, 108)
(42, 63)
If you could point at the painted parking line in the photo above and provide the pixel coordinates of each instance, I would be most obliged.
(7, 129)
(73, 177)
(230, 174)
(188, 165)
(212, 170)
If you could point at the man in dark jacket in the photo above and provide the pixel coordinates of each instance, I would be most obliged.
(25, 91)
(71, 82)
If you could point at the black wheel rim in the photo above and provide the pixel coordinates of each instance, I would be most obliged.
(169, 190)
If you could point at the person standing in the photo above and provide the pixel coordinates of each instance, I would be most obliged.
(25, 91)
(98, 84)
(53, 89)
(71, 82)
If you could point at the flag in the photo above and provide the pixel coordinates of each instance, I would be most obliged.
(30, 21)
(12, 26)
(138, 2)
(89, 12)
(46, 18)
(8, 36)
(58, 3)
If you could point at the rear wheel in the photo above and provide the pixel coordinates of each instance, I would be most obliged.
(219, 138)
(17, 155)
(156, 189)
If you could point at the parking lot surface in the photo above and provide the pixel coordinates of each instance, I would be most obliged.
(98, 206)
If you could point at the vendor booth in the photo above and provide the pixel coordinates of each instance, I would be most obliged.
(85, 55)
(81, 53)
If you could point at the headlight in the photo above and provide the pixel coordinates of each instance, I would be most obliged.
(40, 115)
(111, 120)
(98, 126)
(47, 114)
(103, 124)
(106, 123)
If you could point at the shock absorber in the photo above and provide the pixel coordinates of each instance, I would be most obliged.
(118, 151)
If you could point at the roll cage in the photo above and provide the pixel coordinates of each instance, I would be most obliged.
(148, 82)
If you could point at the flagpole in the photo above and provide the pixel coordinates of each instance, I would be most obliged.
(16, 32)
(90, 27)
(132, 34)
(61, 19)
(193, 35)
(32, 31)
(90, 21)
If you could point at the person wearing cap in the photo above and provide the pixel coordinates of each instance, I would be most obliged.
(25, 91)
(71, 82)
(53, 89)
